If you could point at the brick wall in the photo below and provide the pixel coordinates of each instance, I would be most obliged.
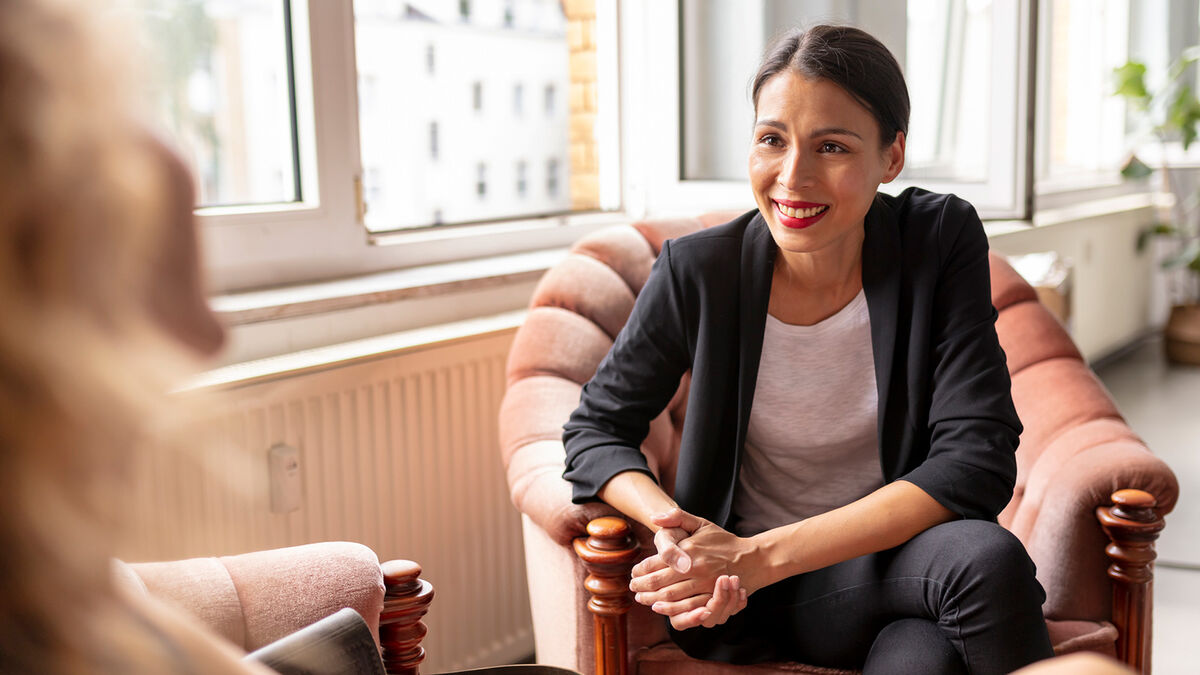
(584, 168)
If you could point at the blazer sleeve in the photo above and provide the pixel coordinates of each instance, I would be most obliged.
(973, 426)
(632, 385)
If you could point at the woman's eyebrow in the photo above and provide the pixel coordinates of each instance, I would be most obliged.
(824, 131)
(832, 131)
(771, 123)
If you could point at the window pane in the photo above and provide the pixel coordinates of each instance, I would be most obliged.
(461, 141)
(220, 87)
(962, 65)
(948, 65)
(1085, 121)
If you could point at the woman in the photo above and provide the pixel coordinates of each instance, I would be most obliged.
(103, 311)
(850, 434)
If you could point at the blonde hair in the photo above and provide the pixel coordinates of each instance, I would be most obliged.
(84, 201)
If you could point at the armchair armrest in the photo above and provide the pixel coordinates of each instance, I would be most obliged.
(255, 598)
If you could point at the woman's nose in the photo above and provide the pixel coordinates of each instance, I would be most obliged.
(796, 171)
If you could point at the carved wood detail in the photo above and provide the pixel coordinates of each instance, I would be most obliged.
(400, 627)
(608, 553)
(1132, 525)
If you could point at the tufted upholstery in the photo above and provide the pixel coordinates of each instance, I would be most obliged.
(1075, 451)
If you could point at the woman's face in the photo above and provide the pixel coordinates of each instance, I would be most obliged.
(816, 161)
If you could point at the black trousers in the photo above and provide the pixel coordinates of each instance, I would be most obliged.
(960, 597)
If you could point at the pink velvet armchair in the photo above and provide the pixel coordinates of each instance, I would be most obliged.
(1076, 452)
(256, 598)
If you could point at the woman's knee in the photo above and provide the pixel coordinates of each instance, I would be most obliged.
(978, 549)
(913, 646)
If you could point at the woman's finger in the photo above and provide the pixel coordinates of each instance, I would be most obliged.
(652, 564)
(655, 581)
(681, 606)
(677, 517)
(720, 604)
(666, 540)
(674, 593)
(690, 619)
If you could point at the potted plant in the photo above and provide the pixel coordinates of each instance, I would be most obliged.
(1171, 111)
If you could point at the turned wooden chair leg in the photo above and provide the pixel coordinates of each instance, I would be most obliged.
(608, 553)
(400, 627)
(1132, 525)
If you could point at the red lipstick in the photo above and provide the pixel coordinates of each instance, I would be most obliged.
(799, 223)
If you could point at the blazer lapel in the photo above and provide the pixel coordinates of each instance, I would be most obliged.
(881, 274)
(757, 265)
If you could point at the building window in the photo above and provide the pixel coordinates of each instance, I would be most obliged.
(429, 59)
(552, 177)
(437, 217)
(490, 82)
(521, 178)
(464, 10)
(508, 13)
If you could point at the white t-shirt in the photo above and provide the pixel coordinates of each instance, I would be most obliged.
(812, 442)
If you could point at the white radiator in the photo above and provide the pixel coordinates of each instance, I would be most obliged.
(398, 453)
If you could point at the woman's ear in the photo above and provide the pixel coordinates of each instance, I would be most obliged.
(893, 156)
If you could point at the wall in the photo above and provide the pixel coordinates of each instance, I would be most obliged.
(1116, 292)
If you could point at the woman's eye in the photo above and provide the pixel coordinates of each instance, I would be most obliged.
(831, 147)
(771, 140)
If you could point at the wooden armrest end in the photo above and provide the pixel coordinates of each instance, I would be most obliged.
(1132, 526)
(609, 553)
(400, 627)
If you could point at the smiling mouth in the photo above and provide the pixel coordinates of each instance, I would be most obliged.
(798, 215)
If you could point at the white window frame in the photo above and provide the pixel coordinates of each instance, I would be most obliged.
(322, 237)
(651, 74)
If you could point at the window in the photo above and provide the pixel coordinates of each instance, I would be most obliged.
(552, 177)
(464, 9)
(962, 59)
(1082, 123)
(548, 99)
(223, 89)
(508, 13)
(521, 178)
(479, 99)
(273, 215)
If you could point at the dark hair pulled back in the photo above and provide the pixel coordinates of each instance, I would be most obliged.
(850, 58)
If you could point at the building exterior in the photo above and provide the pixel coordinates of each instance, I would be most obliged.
(462, 110)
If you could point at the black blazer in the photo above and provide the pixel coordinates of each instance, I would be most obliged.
(946, 417)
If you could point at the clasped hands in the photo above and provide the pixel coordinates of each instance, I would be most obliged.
(699, 575)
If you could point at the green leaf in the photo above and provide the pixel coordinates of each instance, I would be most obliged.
(1130, 81)
(1184, 114)
(1188, 256)
(1155, 230)
(1135, 169)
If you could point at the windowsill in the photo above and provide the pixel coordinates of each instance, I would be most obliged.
(287, 302)
(355, 351)
(1080, 211)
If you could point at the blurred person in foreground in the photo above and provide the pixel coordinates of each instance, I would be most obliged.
(103, 312)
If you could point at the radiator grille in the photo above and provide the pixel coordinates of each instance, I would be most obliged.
(398, 453)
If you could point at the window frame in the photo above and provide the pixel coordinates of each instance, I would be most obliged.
(323, 237)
